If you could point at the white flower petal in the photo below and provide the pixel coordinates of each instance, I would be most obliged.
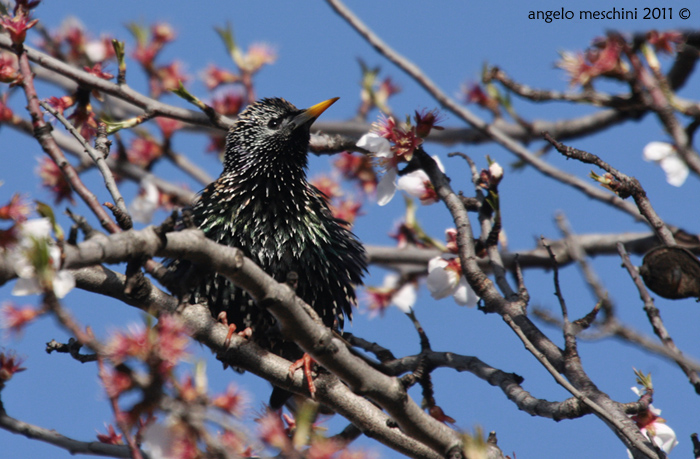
(24, 287)
(37, 228)
(436, 263)
(63, 283)
(461, 293)
(464, 295)
(676, 170)
(656, 151)
(158, 441)
(417, 184)
(146, 203)
(23, 267)
(376, 144)
(439, 163)
(54, 256)
(665, 437)
(445, 282)
(36, 235)
(405, 298)
(387, 187)
(496, 170)
(391, 280)
(413, 183)
(439, 284)
(96, 50)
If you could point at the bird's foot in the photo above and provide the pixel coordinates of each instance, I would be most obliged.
(245, 333)
(305, 362)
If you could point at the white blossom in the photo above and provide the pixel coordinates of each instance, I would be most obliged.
(96, 50)
(418, 185)
(35, 235)
(146, 203)
(159, 441)
(666, 155)
(663, 436)
(392, 293)
(376, 144)
(386, 188)
(381, 148)
(405, 297)
(496, 171)
(445, 279)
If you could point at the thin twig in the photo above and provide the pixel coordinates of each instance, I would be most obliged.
(655, 320)
(625, 186)
(50, 436)
(120, 167)
(96, 156)
(383, 354)
(615, 329)
(42, 132)
(660, 104)
(72, 347)
(575, 392)
(119, 416)
(490, 130)
(578, 254)
(542, 95)
(187, 166)
(123, 92)
(569, 336)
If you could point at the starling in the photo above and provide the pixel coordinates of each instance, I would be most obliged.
(263, 204)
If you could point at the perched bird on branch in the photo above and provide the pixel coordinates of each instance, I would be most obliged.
(263, 204)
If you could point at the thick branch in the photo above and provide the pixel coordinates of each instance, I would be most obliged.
(250, 357)
(284, 305)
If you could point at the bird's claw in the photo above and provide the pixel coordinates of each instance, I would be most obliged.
(305, 362)
(245, 333)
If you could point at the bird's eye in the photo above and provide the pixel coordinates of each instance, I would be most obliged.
(274, 123)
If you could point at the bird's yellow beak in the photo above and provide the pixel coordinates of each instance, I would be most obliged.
(316, 110)
(313, 112)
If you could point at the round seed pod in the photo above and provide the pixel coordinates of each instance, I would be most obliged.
(671, 272)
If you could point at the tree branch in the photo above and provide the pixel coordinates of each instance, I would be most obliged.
(490, 130)
(295, 324)
(50, 436)
(654, 318)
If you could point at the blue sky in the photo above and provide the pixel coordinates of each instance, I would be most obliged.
(318, 55)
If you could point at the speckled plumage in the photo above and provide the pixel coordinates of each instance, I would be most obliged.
(263, 204)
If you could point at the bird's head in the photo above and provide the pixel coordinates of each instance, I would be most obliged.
(270, 132)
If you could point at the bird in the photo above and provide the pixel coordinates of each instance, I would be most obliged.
(263, 204)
